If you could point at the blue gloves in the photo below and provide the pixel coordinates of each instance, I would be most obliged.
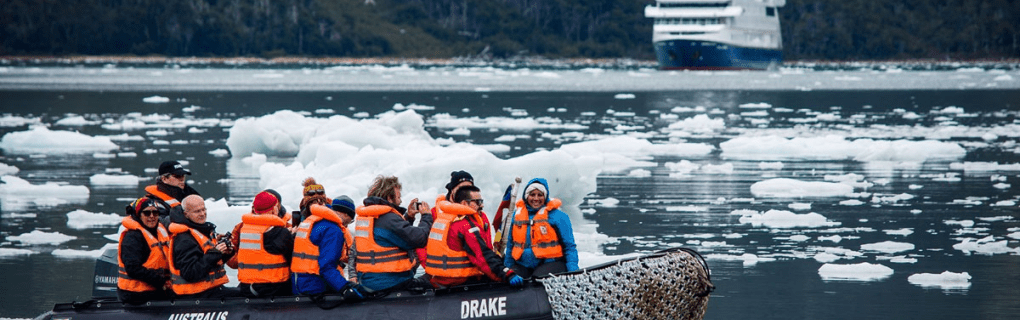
(516, 281)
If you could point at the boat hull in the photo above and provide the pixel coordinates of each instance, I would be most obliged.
(707, 55)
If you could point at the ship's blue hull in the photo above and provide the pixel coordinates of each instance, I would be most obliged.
(707, 55)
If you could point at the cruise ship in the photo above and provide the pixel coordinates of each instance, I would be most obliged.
(716, 34)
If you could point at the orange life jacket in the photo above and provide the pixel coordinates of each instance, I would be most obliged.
(440, 259)
(254, 264)
(170, 201)
(155, 261)
(306, 254)
(545, 244)
(180, 286)
(372, 257)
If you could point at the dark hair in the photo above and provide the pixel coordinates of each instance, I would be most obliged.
(464, 193)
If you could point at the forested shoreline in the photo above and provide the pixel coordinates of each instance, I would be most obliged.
(486, 29)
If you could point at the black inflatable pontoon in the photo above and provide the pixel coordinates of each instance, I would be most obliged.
(669, 284)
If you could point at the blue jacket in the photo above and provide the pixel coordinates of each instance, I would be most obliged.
(328, 236)
(559, 221)
(391, 230)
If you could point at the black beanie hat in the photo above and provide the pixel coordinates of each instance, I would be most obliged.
(457, 177)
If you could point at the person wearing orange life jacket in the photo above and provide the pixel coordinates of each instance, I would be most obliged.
(171, 188)
(385, 241)
(144, 270)
(541, 240)
(196, 257)
(264, 251)
(321, 247)
(235, 234)
(459, 249)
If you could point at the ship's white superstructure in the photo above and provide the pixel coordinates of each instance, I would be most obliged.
(743, 24)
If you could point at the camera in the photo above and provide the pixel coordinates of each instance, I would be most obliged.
(225, 238)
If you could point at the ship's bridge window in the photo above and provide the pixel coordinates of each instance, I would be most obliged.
(694, 5)
(770, 11)
(690, 21)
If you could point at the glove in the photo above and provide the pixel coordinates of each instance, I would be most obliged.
(352, 294)
(516, 281)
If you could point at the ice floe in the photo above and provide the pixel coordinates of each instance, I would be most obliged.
(792, 188)
(44, 141)
(16, 194)
(985, 246)
(946, 280)
(122, 180)
(82, 254)
(863, 271)
(156, 99)
(888, 246)
(37, 237)
(783, 219)
(13, 252)
(81, 219)
(6, 169)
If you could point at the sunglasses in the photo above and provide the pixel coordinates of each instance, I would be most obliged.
(176, 176)
(476, 201)
(150, 213)
(315, 192)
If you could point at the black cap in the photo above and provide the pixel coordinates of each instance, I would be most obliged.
(172, 167)
(457, 177)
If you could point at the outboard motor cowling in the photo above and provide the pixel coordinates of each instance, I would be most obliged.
(104, 284)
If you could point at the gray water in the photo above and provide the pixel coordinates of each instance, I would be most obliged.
(645, 219)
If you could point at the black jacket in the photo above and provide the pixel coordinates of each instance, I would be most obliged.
(134, 251)
(187, 253)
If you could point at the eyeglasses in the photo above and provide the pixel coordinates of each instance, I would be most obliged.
(176, 176)
(315, 192)
(476, 201)
(150, 213)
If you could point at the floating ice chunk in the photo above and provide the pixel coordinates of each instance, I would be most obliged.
(699, 123)
(851, 202)
(607, 202)
(624, 96)
(1004, 203)
(748, 259)
(899, 232)
(799, 238)
(834, 238)
(985, 246)
(888, 246)
(7, 170)
(494, 148)
(18, 194)
(790, 188)
(760, 105)
(984, 166)
(41, 237)
(1015, 235)
(16, 121)
(220, 153)
(82, 254)
(192, 108)
(687, 209)
(81, 219)
(11, 252)
(785, 219)
(156, 99)
(75, 121)
(945, 280)
(892, 199)
(962, 223)
(854, 272)
(119, 180)
(825, 257)
(41, 140)
(799, 206)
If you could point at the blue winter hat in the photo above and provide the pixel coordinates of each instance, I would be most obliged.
(344, 204)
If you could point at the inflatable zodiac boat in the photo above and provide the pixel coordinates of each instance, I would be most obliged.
(668, 284)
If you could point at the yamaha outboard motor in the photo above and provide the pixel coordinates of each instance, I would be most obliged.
(104, 284)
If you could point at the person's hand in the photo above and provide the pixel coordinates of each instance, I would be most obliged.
(423, 207)
(516, 281)
(412, 208)
(222, 247)
(352, 294)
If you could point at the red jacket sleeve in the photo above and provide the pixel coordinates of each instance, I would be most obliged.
(466, 237)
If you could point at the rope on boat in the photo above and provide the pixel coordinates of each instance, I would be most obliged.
(673, 285)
